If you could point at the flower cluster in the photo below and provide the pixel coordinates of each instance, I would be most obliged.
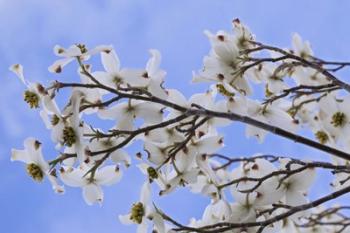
(182, 140)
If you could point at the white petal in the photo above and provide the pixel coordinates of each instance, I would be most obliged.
(150, 112)
(281, 119)
(295, 198)
(45, 117)
(176, 97)
(134, 77)
(126, 122)
(158, 135)
(70, 161)
(57, 133)
(158, 223)
(20, 155)
(125, 219)
(58, 65)
(155, 89)
(110, 61)
(191, 176)
(75, 99)
(302, 181)
(72, 51)
(59, 51)
(50, 105)
(203, 164)
(241, 213)
(203, 99)
(105, 79)
(121, 156)
(55, 186)
(143, 168)
(33, 148)
(154, 62)
(252, 131)
(115, 112)
(155, 154)
(108, 175)
(74, 178)
(18, 70)
(80, 148)
(268, 194)
(142, 228)
(92, 193)
(184, 160)
(100, 49)
(209, 145)
(297, 42)
(145, 193)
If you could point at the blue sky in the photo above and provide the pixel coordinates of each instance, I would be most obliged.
(30, 29)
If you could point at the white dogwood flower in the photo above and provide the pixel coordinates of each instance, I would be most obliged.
(91, 186)
(142, 211)
(125, 113)
(270, 114)
(36, 94)
(37, 167)
(265, 194)
(114, 76)
(73, 52)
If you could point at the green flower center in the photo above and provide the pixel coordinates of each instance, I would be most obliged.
(35, 172)
(69, 137)
(54, 120)
(223, 91)
(322, 137)
(32, 99)
(107, 143)
(152, 173)
(137, 212)
(338, 119)
(117, 80)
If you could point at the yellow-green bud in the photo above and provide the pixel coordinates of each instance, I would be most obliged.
(137, 212)
(54, 120)
(152, 173)
(222, 90)
(268, 93)
(322, 137)
(35, 172)
(292, 111)
(69, 137)
(338, 119)
(32, 99)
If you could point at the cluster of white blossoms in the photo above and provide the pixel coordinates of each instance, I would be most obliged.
(181, 140)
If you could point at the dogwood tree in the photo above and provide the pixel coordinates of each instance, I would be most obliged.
(181, 137)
